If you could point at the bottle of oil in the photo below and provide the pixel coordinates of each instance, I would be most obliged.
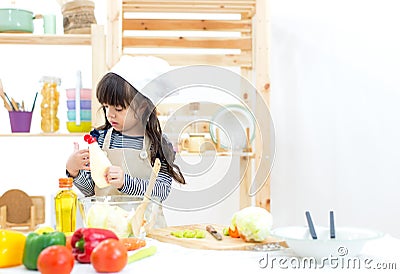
(66, 204)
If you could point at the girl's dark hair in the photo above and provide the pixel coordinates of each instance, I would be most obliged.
(113, 90)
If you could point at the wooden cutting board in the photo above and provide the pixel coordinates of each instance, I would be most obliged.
(209, 242)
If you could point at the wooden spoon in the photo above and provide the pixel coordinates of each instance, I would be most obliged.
(3, 96)
(137, 219)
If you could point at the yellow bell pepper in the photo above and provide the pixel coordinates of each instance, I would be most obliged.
(12, 245)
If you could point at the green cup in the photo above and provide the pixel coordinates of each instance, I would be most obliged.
(49, 24)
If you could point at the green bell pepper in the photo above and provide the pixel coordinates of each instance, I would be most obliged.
(35, 243)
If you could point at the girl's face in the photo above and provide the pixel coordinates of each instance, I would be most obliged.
(124, 120)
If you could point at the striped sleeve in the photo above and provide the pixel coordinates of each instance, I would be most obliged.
(84, 183)
(137, 186)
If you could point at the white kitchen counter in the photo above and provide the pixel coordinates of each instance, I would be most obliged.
(175, 259)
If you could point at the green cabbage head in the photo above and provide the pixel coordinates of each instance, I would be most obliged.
(110, 217)
(253, 223)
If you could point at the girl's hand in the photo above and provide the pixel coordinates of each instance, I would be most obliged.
(115, 176)
(78, 160)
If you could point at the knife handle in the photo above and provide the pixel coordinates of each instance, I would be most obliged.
(214, 232)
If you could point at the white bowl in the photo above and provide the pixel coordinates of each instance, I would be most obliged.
(349, 241)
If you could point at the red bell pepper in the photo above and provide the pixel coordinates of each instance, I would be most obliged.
(84, 240)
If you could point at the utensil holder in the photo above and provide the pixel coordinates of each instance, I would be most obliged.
(20, 121)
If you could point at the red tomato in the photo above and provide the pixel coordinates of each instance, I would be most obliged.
(55, 259)
(109, 256)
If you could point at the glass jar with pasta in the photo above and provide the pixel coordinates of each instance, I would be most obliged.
(49, 106)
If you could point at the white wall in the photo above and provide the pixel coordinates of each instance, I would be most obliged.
(335, 98)
(34, 164)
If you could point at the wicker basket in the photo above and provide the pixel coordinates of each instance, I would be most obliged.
(78, 16)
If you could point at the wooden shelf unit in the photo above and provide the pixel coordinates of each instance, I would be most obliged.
(247, 47)
(96, 40)
(121, 22)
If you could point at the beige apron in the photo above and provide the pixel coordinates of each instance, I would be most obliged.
(136, 163)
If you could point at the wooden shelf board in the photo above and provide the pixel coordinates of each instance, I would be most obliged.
(158, 9)
(244, 43)
(34, 39)
(202, 2)
(187, 25)
(209, 6)
(242, 60)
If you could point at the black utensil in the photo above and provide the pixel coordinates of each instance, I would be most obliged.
(332, 225)
(34, 102)
(311, 225)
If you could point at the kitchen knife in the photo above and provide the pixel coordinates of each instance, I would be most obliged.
(214, 232)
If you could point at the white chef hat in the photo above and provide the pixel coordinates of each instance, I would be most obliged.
(140, 71)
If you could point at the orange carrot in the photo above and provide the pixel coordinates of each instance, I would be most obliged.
(132, 243)
(68, 242)
(234, 233)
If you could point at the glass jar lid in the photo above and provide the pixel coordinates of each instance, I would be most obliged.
(51, 79)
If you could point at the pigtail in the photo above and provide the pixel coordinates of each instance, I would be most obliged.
(161, 147)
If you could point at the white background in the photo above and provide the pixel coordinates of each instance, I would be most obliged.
(335, 95)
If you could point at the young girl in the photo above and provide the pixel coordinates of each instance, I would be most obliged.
(131, 137)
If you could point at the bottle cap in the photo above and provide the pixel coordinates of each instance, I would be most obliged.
(65, 182)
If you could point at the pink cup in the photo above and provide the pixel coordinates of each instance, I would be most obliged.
(86, 93)
(20, 121)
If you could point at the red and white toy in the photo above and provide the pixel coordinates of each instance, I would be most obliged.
(98, 162)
